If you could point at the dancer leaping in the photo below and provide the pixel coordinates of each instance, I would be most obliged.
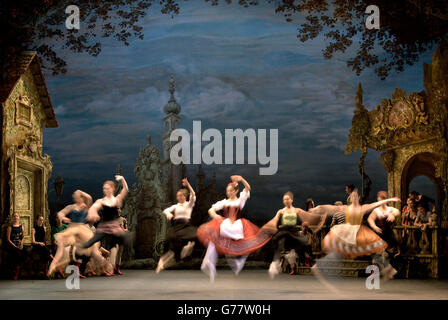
(351, 239)
(181, 234)
(230, 234)
(109, 225)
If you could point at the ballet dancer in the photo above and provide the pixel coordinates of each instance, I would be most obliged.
(109, 226)
(351, 239)
(181, 234)
(288, 237)
(230, 234)
(76, 234)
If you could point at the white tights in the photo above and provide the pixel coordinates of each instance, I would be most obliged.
(211, 257)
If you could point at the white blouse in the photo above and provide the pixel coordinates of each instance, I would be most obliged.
(239, 202)
(228, 228)
(182, 210)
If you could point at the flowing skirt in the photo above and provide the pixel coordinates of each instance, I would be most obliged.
(251, 239)
(352, 241)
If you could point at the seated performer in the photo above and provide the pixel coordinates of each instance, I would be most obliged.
(181, 234)
(232, 235)
(38, 234)
(287, 238)
(351, 239)
(15, 235)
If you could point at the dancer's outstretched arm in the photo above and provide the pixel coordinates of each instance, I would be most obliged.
(123, 192)
(369, 207)
(311, 216)
(328, 209)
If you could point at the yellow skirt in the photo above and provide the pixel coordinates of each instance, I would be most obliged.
(353, 241)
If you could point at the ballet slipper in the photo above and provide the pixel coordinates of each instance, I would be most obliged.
(274, 269)
(209, 270)
(160, 266)
(307, 262)
(187, 250)
(61, 273)
(52, 269)
(117, 270)
(79, 272)
(388, 273)
(16, 275)
(90, 270)
(165, 261)
(106, 273)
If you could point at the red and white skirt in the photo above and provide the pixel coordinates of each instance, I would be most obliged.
(250, 240)
(352, 241)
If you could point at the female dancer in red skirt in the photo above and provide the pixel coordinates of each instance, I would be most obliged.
(230, 234)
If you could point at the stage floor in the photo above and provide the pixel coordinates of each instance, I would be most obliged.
(192, 284)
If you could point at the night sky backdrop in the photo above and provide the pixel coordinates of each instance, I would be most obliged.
(234, 67)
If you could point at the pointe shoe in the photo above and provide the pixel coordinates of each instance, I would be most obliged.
(93, 273)
(209, 270)
(16, 275)
(187, 250)
(79, 272)
(274, 269)
(160, 266)
(388, 273)
(51, 270)
(61, 273)
(107, 274)
(117, 270)
(307, 262)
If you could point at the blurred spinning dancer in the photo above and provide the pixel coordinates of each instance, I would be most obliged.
(181, 234)
(109, 226)
(351, 239)
(232, 235)
(77, 232)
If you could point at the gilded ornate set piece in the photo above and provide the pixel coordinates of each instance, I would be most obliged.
(410, 132)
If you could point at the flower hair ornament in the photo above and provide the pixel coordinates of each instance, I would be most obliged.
(233, 184)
